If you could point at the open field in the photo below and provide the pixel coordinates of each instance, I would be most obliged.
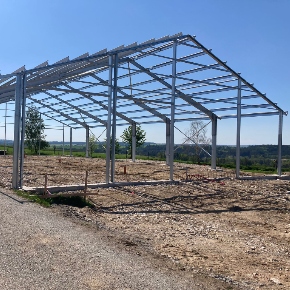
(234, 230)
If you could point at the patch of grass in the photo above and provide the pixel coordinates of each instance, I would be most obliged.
(77, 201)
(33, 198)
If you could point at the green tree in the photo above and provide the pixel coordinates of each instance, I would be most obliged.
(117, 145)
(127, 137)
(92, 144)
(34, 130)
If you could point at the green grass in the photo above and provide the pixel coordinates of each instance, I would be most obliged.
(77, 201)
(33, 198)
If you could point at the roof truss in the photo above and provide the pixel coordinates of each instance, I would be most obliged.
(77, 90)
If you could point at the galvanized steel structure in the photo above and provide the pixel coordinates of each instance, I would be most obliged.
(171, 79)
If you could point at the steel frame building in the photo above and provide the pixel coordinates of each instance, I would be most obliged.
(169, 80)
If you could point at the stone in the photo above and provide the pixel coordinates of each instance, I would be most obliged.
(276, 281)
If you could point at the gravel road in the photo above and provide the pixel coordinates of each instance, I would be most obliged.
(40, 249)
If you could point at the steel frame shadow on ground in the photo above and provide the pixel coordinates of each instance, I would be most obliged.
(167, 80)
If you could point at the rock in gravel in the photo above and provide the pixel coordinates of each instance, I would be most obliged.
(276, 281)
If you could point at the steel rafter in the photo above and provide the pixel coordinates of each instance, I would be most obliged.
(193, 39)
(179, 93)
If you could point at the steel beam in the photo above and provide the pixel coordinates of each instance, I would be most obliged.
(70, 141)
(167, 150)
(179, 93)
(101, 104)
(5, 129)
(223, 64)
(76, 68)
(134, 141)
(109, 121)
(39, 136)
(172, 114)
(62, 140)
(66, 116)
(279, 161)
(114, 120)
(251, 115)
(80, 111)
(213, 143)
(137, 102)
(22, 139)
(238, 141)
(87, 140)
(17, 126)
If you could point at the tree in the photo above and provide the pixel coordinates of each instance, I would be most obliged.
(92, 144)
(34, 130)
(117, 145)
(196, 135)
(140, 137)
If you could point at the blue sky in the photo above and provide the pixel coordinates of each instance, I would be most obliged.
(252, 36)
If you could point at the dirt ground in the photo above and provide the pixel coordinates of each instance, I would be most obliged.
(237, 231)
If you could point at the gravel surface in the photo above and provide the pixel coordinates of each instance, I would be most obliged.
(210, 231)
(40, 249)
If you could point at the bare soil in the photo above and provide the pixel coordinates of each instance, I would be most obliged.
(234, 230)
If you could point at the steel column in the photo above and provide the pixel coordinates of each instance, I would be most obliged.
(70, 141)
(17, 122)
(63, 140)
(238, 142)
(279, 161)
(23, 104)
(114, 123)
(108, 133)
(5, 131)
(213, 142)
(172, 115)
(39, 136)
(87, 140)
(167, 150)
(133, 141)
